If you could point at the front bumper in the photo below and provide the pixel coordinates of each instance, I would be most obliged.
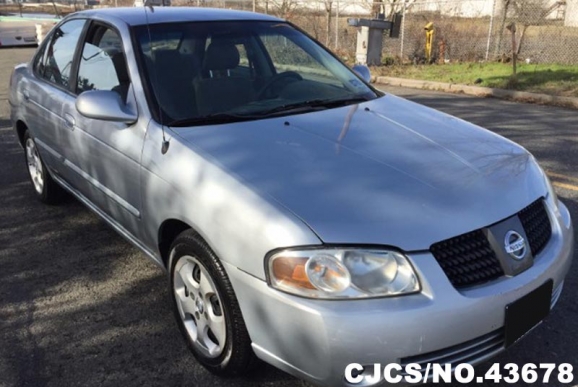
(316, 339)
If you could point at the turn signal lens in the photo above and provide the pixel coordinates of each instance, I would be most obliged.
(290, 271)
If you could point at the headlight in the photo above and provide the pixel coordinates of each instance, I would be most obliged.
(342, 273)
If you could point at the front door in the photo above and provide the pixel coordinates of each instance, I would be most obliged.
(106, 155)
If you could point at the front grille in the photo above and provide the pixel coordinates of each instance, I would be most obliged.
(472, 352)
(467, 259)
(470, 260)
(537, 225)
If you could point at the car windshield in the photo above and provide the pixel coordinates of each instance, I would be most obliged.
(200, 73)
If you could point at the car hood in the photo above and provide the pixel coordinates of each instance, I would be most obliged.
(387, 172)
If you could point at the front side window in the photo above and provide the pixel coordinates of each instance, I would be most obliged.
(60, 52)
(102, 63)
(241, 70)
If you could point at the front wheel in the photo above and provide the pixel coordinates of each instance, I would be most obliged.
(46, 189)
(206, 308)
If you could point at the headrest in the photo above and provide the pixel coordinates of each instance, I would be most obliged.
(221, 55)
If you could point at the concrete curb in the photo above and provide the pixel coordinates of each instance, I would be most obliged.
(518, 96)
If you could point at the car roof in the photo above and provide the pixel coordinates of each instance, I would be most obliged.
(139, 15)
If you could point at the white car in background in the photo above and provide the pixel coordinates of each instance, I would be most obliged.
(17, 33)
(16, 30)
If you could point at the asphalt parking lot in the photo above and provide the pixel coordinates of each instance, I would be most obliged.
(79, 306)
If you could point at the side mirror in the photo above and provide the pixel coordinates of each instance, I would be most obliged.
(105, 105)
(363, 72)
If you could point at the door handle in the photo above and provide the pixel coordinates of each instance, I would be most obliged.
(69, 120)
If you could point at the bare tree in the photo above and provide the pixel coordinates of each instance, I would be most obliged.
(20, 7)
(388, 7)
(504, 6)
(55, 8)
(525, 13)
(283, 8)
(529, 13)
(328, 9)
(376, 8)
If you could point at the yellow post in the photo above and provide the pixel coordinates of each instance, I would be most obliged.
(429, 31)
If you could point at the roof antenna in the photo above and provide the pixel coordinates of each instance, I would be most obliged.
(149, 4)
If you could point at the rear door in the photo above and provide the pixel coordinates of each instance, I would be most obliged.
(47, 89)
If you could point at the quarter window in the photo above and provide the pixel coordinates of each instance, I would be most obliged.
(60, 52)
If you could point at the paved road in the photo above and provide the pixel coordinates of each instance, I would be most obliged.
(81, 307)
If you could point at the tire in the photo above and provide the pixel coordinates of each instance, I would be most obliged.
(45, 188)
(203, 300)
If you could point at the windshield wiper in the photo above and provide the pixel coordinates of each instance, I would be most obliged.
(310, 105)
(216, 118)
(297, 107)
(328, 103)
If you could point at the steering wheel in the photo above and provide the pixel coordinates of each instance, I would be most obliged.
(272, 88)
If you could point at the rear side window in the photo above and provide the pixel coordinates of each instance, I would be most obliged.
(60, 52)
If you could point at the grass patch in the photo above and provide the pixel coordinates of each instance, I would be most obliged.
(538, 78)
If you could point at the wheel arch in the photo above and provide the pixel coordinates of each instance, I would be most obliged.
(169, 230)
(21, 128)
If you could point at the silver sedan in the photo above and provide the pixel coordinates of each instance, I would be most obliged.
(304, 218)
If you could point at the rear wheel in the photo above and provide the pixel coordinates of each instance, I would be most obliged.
(206, 308)
(46, 189)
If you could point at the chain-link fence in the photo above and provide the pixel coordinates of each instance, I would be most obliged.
(546, 31)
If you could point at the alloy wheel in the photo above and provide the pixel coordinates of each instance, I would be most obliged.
(35, 167)
(199, 306)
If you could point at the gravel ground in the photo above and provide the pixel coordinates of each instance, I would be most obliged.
(81, 307)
